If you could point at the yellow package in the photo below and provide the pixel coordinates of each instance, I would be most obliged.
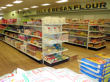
(104, 55)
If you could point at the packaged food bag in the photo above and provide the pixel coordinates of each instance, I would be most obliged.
(96, 67)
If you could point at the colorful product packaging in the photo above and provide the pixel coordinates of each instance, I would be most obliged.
(96, 67)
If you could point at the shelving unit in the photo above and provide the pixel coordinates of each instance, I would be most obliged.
(107, 31)
(33, 41)
(37, 59)
(86, 34)
(1, 31)
(96, 37)
(19, 38)
(53, 36)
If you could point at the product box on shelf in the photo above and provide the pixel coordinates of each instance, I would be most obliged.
(23, 48)
(18, 44)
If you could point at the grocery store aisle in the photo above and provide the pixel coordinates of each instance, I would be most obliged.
(83, 52)
(10, 58)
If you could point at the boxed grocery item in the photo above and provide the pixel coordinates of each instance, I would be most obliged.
(96, 67)
(23, 48)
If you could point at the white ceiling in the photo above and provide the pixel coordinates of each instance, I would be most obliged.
(29, 3)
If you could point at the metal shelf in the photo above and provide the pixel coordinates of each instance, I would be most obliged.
(104, 26)
(77, 44)
(96, 37)
(24, 41)
(24, 52)
(32, 26)
(93, 25)
(51, 43)
(52, 64)
(14, 38)
(24, 34)
(79, 36)
(43, 40)
(54, 24)
(57, 33)
(97, 47)
(88, 37)
(31, 35)
(34, 45)
(97, 42)
(79, 29)
(72, 24)
(56, 52)
(11, 31)
(25, 25)
(96, 31)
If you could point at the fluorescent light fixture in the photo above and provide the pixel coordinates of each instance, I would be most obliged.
(9, 5)
(1, 18)
(19, 10)
(46, 4)
(61, 1)
(18, 1)
(25, 8)
(34, 6)
(3, 7)
(13, 11)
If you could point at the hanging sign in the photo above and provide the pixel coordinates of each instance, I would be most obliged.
(99, 5)
(87, 6)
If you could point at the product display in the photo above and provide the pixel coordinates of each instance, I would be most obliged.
(96, 67)
(39, 40)
(107, 32)
(21, 37)
(86, 33)
(54, 58)
(53, 37)
(8, 21)
(1, 32)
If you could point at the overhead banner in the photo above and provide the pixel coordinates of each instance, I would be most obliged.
(84, 6)
(99, 5)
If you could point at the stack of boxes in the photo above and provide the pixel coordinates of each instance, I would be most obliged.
(96, 68)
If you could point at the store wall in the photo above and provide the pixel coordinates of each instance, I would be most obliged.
(80, 15)
(74, 15)
(12, 14)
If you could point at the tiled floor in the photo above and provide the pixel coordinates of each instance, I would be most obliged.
(11, 59)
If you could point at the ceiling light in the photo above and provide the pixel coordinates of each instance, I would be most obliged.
(3, 7)
(18, 1)
(46, 4)
(9, 5)
(25, 8)
(14, 11)
(61, 1)
(34, 6)
(19, 10)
